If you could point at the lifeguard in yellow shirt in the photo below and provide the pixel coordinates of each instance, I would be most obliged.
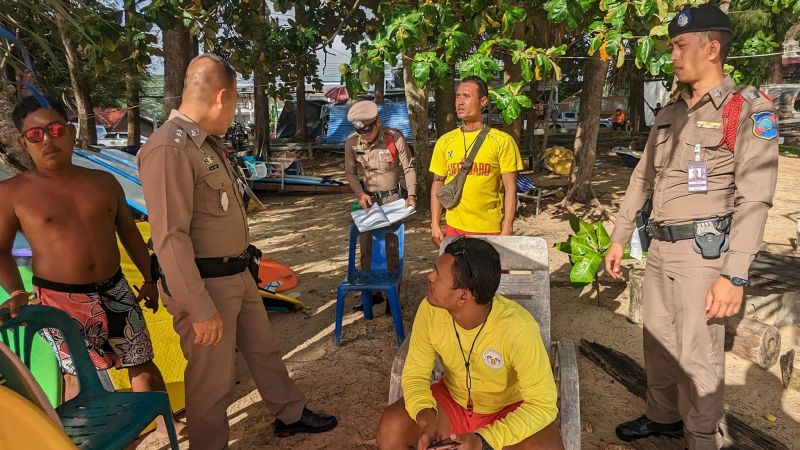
(497, 391)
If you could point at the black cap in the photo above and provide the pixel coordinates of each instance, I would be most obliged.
(701, 18)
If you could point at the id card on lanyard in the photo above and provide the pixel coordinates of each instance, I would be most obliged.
(697, 172)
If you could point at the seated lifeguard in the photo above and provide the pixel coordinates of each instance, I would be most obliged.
(497, 390)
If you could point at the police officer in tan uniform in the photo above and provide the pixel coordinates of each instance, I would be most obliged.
(387, 171)
(710, 165)
(200, 235)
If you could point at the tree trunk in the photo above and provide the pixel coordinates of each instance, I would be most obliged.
(134, 113)
(636, 102)
(261, 106)
(513, 73)
(445, 98)
(580, 178)
(635, 295)
(531, 119)
(12, 157)
(774, 75)
(301, 130)
(87, 134)
(177, 44)
(417, 101)
(380, 86)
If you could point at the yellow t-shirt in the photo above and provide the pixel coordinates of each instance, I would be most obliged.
(508, 364)
(481, 207)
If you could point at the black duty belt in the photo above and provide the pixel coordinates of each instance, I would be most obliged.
(673, 233)
(222, 267)
(383, 194)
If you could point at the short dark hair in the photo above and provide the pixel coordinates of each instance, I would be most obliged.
(476, 267)
(483, 90)
(31, 104)
(723, 37)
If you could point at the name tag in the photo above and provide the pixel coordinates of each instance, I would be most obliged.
(708, 125)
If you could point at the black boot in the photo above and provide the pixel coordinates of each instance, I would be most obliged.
(644, 427)
(310, 422)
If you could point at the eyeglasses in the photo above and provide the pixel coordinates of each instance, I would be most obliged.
(365, 129)
(53, 129)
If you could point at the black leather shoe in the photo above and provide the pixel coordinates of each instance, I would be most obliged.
(644, 427)
(310, 422)
(377, 299)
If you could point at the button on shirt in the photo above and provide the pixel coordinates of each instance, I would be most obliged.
(380, 170)
(741, 182)
(195, 206)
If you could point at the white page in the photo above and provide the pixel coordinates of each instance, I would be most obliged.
(397, 211)
(370, 219)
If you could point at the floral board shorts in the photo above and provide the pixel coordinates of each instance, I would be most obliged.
(108, 317)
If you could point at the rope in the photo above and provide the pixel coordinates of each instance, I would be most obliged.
(730, 120)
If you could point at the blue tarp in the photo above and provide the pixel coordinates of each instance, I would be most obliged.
(392, 114)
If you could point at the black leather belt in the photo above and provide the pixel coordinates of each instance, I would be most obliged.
(673, 233)
(670, 233)
(383, 194)
(221, 267)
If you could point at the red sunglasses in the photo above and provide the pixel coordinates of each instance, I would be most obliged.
(53, 129)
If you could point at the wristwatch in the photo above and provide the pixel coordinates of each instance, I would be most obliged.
(735, 280)
(486, 445)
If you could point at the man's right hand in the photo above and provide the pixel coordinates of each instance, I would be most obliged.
(429, 427)
(614, 260)
(364, 200)
(436, 235)
(209, 331)
(15, 303)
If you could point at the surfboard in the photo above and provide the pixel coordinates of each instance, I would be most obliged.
(166, 342)
(134, 194)
(276, 277)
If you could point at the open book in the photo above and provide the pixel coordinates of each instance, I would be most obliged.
(378, 216)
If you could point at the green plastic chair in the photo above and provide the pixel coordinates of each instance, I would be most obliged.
(95, 419)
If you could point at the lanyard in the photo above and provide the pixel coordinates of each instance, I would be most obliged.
(467, 359)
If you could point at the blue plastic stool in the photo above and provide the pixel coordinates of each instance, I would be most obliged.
(378, 278)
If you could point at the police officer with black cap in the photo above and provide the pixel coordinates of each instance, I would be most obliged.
(709, 168)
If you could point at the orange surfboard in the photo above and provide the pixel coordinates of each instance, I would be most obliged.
(276, 277)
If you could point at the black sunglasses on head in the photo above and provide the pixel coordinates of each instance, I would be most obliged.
(461, 251)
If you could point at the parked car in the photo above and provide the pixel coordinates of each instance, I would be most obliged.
(116, 139)
(569, 120)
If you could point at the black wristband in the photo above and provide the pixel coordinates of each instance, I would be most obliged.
(486, 445)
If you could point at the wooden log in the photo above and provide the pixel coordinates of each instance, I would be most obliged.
(753, 340)
(787, 368)
(736, 434)
(635, 295)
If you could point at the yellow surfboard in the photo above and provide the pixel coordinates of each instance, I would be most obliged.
(166, 343)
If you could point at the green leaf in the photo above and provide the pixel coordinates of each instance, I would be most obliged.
(524, 101)
(585, 270)
(512, 111)
(603, 240)
(564, 246)
(659, 31)
(643, 50)
(595, 44)
(525, 69)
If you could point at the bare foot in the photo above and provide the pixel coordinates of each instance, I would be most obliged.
(180, 430)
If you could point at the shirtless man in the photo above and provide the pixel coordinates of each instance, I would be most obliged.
(71, 216)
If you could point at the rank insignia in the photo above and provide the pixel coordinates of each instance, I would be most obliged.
(765, 125)
(195, 132)
(753, 95)
(208, 160)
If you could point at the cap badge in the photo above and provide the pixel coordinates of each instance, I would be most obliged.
(684, 17)
(358, 124)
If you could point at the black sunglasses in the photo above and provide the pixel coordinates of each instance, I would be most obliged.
(365, 129)
(461, 251)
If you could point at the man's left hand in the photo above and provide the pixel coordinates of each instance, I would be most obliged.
(723, 299)
(149, 293)
(412, 202)
(467, 441)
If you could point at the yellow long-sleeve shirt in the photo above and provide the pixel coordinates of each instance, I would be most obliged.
(508, 364)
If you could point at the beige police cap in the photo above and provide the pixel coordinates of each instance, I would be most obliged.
(362, 113)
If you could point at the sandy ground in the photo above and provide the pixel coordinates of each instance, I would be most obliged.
(309, 233)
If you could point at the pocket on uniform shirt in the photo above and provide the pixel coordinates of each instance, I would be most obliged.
(662, 147)
(709, 139)
(217, 194)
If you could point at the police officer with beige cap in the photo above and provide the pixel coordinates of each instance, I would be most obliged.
(710, 165)
(201, 237)
(387, 170)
